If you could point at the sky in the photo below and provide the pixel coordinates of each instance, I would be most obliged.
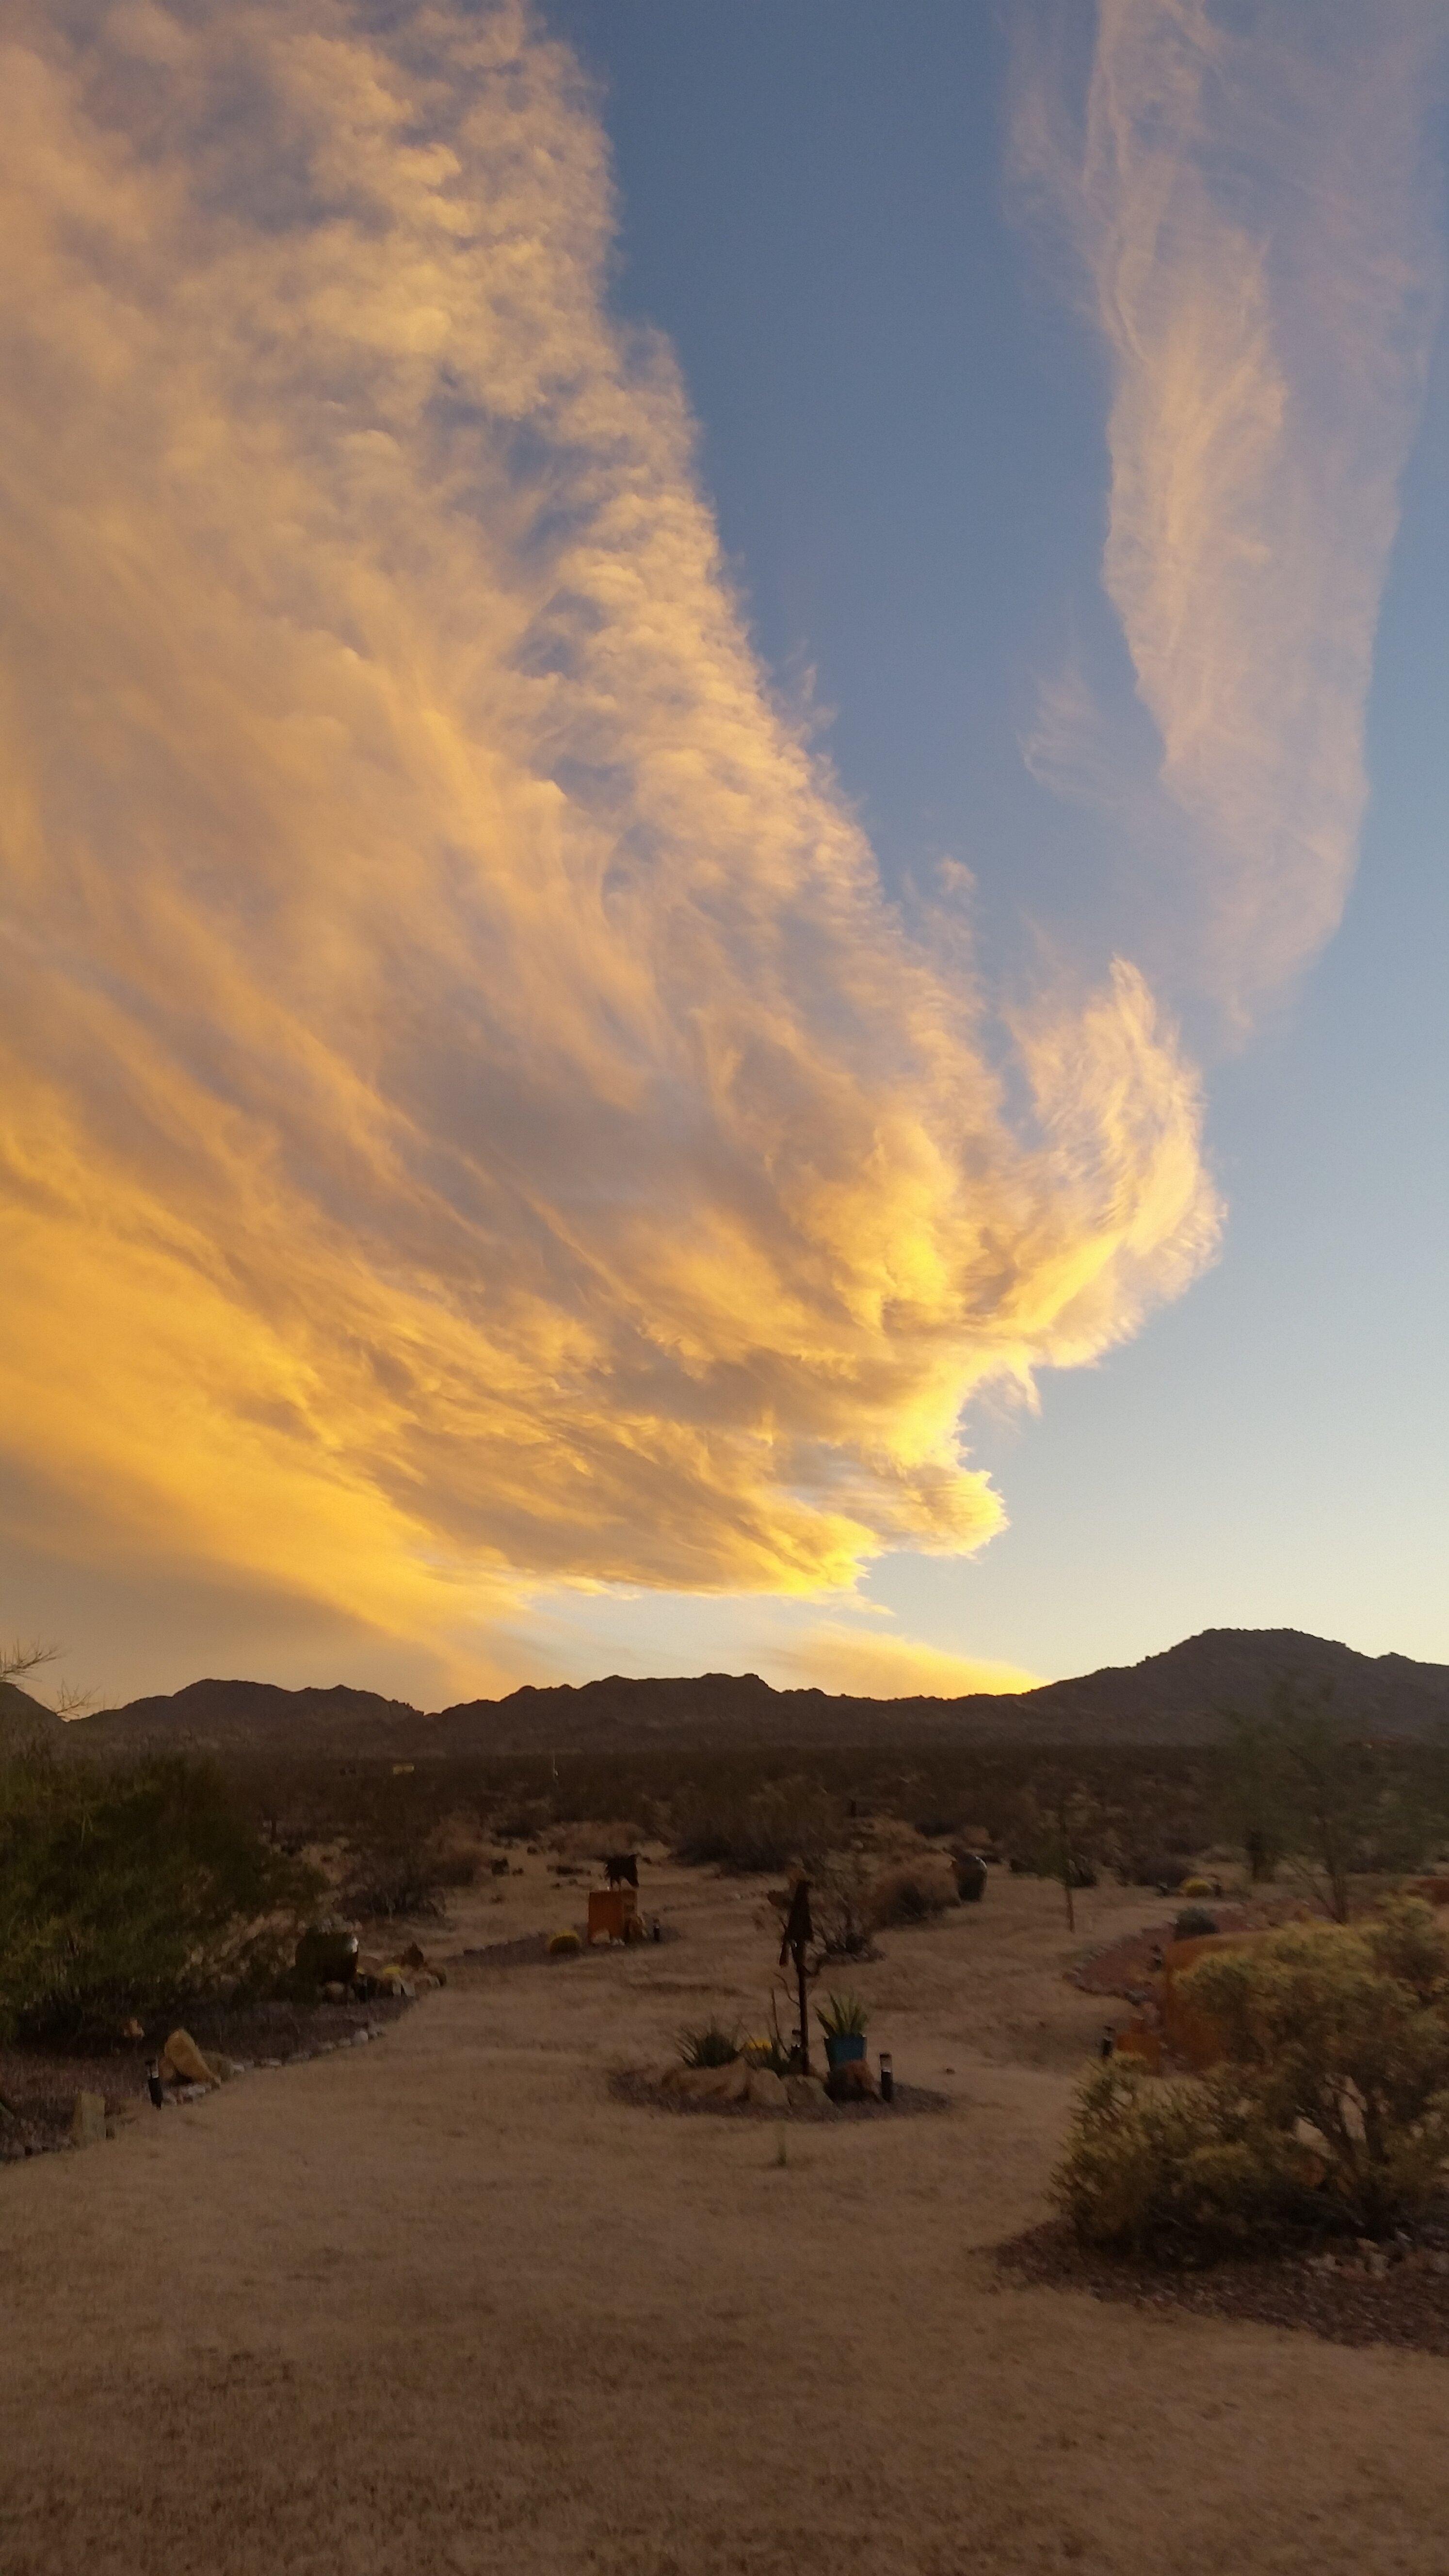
(722, 912)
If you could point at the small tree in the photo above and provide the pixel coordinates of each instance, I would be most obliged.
(128, 1891)
(1066, 1833)
(1302, 1790)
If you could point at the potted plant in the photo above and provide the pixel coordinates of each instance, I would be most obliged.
(844, 2021)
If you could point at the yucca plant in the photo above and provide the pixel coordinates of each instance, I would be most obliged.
(843, 2017)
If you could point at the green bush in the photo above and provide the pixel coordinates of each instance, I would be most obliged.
(1330, 2105)
(130, 1891)
(1169, 2169)
(1193, 1923)
(1340, 2033)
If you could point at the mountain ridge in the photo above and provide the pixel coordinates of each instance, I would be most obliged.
(1175, 1697)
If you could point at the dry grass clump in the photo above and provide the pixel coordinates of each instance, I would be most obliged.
(913, 1891)
(711, 2044)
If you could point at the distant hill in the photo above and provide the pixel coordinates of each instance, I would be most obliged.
(1172, 1698)
(24, 1720)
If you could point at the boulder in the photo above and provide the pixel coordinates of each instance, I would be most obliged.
(88, 2120)
(804, 2093)
(182, 2060)
(765, 2090)
(720, 2083)
(853, 2083)
(970, 1876)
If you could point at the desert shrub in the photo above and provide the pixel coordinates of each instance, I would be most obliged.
(1196, 1887)
(130, 1890)
(408, 1878)
(1342, 2033)
(781, 1822)
(912, 1892)
(1170, 2169)
(1331, 2103)
(405, 1852)
(565, 1945)
(1156, 1869)
(840, 1905)
(1193, 1923)
(710, 2045)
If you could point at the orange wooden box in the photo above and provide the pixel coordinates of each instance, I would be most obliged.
(610, 1908)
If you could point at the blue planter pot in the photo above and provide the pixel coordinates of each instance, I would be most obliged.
(847, 2050)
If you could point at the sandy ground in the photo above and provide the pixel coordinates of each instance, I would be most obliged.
(442, 2304)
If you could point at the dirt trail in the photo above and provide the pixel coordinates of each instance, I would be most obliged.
(441, 2304)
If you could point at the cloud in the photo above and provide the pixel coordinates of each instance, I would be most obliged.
(469, 1117)
(1249, 190)
(831, 1656)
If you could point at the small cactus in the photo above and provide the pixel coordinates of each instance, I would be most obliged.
(565, 1945)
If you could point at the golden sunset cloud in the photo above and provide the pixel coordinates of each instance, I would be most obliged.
(469, 1115)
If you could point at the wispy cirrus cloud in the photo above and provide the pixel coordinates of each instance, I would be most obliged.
(470, 1117)
(1250, 191)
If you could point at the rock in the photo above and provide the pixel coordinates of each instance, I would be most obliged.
(182, 2060)
(763, 2088)
(88, 2120)
(413, 1956)
(853, 2083)
(334, 1992)
(709, 2083)
(803, 2093)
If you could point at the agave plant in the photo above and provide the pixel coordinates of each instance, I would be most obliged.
(843, 2017)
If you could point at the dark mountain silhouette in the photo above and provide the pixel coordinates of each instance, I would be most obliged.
(1174, 1698)
(24, 1720)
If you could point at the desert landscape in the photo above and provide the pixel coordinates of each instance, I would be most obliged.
(447, 2302)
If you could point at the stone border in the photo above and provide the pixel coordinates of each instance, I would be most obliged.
(645, 2089)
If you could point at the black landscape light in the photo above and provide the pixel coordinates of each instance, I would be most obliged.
(887, 2078)
(154, 2084)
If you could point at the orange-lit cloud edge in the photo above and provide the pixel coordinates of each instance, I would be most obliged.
(471, 1122)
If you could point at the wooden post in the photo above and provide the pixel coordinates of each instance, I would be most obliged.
(799, 1933)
